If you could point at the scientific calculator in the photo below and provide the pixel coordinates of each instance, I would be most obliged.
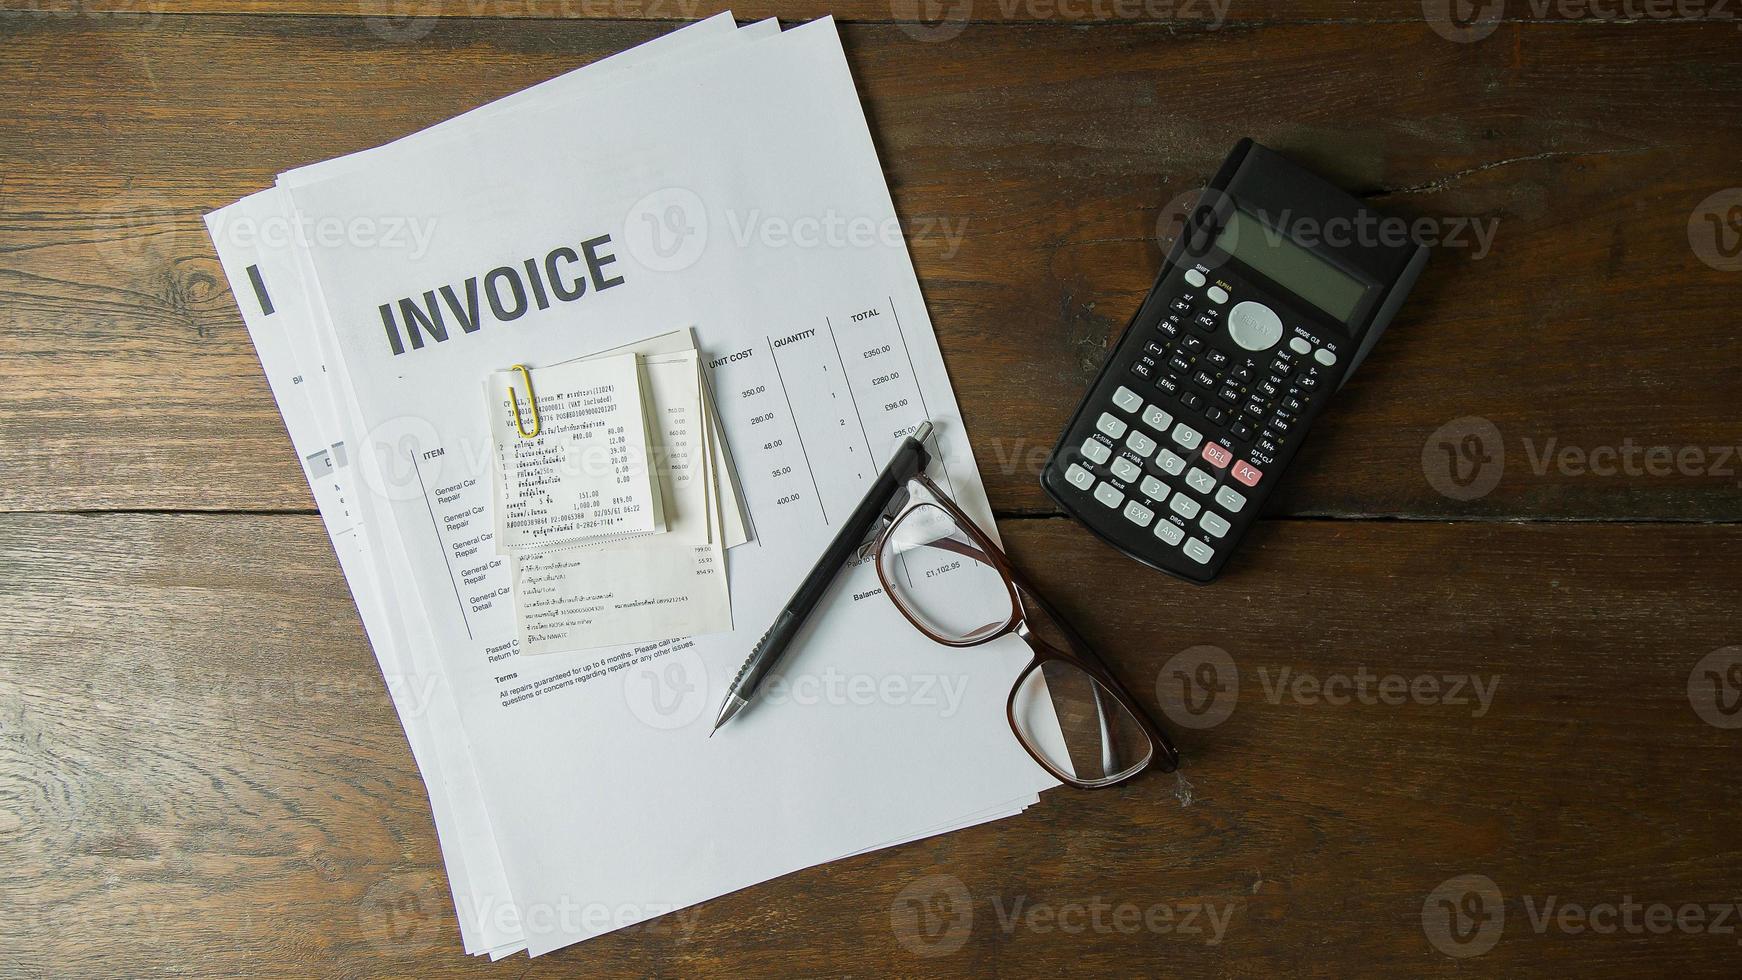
(1277, 286)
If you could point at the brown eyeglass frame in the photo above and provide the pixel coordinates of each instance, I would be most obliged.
(1080, 655)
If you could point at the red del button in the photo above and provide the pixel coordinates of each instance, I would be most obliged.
(1217, 456)
(1247, 473)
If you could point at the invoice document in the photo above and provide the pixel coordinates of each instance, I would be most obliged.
(597, 787)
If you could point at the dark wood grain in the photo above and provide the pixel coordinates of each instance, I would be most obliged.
(213, 783)
(926, 20)
(201, 774)
(1590, 327)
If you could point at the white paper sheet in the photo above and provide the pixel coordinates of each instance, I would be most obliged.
(812, 154)
(265, 235)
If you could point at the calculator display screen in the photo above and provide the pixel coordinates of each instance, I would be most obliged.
(1295, 269)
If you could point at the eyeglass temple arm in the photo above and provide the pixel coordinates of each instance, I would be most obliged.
(1081, 648)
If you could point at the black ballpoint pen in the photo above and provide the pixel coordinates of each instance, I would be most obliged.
(910, 458)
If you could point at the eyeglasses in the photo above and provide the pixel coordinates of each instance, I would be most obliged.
(958, 588)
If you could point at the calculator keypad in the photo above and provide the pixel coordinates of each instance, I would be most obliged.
(1195, 421)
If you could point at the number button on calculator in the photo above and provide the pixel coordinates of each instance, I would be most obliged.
(1187, 437)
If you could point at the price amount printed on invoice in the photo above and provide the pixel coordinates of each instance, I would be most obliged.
(854, 376)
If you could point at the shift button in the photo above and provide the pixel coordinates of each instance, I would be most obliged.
(1196, 278)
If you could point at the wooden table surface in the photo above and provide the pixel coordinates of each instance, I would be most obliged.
(1469, 717)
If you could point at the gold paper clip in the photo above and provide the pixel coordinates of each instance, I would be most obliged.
(513, 395)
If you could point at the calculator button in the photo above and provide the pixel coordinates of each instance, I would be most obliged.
(1213, 523)
(1293, 404)
(1138, 514)
(1192, 400)
(1280, 367)
(1230, 499)
(1170, 463)
(1300, 346)
(1168, 383)
(1169, 532)
(1267, 446)
(1269, 388)
(1125, 469)
(1096, 452)
(1241, 431)
(1255, 408)
(1078, 477)
(1203, 379)
(1187, 436)
(1217, 358)
(1194, 277)
(1191, 344)
(1247, 473)
(1206, 322)
(1157, 419)
(1180, 363)
(1111, 424)
(1307, 381)
(1200, 481)
(1168, 328)
(1215, 414)
(1154, 349)
(1180, 305)
(1144, 368)
(1242, 374)
(1324, 357)
(1217, 456)
(1229, 394)
(1217, 294)
(1182, 505)
(1254, 326)
(1198, 551)
(1108, 494)
(1140, 444)
(1127, 399)
(1153, 489)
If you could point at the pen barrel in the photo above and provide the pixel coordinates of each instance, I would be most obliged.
(910, 458)
(766, 653)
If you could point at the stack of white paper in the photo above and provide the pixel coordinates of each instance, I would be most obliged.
(686, 188)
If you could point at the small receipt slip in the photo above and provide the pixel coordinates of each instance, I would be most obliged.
(572, 455)
(630, 583)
